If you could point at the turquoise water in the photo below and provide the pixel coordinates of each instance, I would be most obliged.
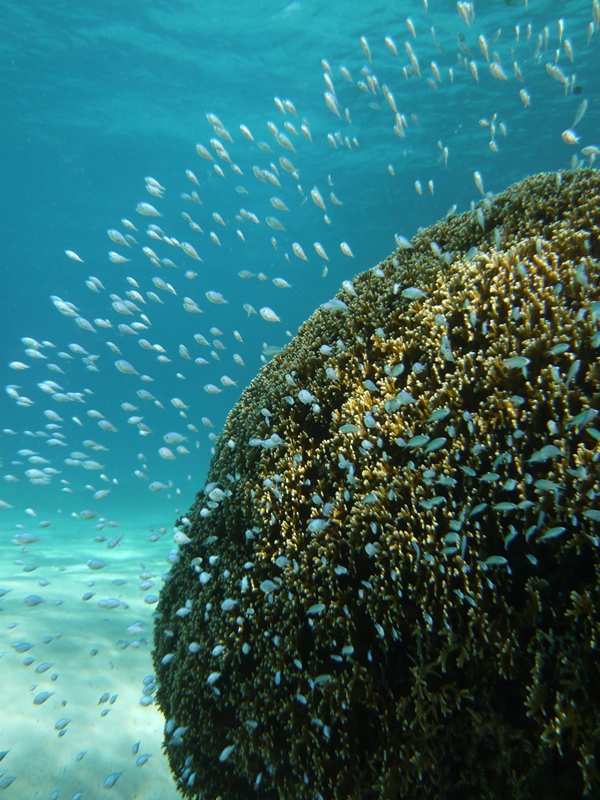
(99, 96)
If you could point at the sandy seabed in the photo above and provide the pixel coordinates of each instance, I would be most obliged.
(64, 631)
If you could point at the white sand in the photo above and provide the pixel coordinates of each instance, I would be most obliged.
(42, 761)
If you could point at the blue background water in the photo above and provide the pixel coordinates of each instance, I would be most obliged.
(100, 95)
(96, 96)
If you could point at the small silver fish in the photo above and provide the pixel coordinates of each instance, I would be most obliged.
(413, 293)
(516, 362)
(111, 780)
(41, 698)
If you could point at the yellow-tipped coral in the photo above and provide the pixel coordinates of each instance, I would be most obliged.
(392, 588)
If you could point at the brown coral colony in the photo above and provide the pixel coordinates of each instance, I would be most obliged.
(392, 584)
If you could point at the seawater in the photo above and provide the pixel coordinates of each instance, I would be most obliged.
(99, 96)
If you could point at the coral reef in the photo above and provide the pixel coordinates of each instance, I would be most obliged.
(392, 588)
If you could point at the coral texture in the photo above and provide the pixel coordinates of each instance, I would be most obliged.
(392, 588)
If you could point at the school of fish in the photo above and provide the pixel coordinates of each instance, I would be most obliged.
(140, 328)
